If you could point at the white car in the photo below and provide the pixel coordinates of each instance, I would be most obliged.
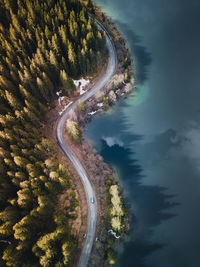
(92, 200)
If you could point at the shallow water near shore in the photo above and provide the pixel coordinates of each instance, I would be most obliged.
(152, 138)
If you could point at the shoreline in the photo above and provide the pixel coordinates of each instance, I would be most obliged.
(91, 106)
(121, 90)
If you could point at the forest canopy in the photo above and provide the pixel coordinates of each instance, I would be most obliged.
(43, 45)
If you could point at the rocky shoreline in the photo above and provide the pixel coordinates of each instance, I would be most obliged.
(102, 176)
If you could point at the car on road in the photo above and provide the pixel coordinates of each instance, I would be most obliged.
(92, 200)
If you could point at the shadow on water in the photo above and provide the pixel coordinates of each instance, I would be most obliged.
(141, 57)
(148, 205)
(151, 202)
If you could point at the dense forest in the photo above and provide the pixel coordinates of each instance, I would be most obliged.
(43, 45)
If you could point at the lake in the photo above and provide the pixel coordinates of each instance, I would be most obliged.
(152, 139)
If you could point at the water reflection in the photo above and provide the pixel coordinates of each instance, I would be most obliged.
(156, 150)
(142, 58)
(149, 205)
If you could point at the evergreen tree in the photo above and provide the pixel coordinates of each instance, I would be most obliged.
(66, 82)
(43, 46)
(13, 101)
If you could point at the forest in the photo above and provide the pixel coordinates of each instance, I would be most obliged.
(43, 46)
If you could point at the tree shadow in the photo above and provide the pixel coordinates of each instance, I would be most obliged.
(141, 57)
(153, 203)
(149, 206)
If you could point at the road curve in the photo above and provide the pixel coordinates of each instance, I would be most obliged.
(89, 189)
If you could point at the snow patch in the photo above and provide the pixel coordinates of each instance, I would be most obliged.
(92, 113)
(59, 92)
(61, 112)
(100, 105)
(113, 233)
(83, 82)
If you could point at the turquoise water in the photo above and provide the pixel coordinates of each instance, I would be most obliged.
(152, 139)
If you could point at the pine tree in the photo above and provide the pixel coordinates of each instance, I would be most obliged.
(5, 83)
(20, 161)
(66, 82)
(71, 53)
(13, 101)
(25, 198)
(42, 88)
(6, 229)
(43, 46)
(72, 59)
(48, 83)
(53, 59)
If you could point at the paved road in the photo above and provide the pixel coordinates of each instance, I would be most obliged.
(89, 189)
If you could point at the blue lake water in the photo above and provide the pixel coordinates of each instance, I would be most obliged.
(152, 139)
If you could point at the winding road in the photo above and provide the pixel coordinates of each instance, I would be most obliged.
(85, 179)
